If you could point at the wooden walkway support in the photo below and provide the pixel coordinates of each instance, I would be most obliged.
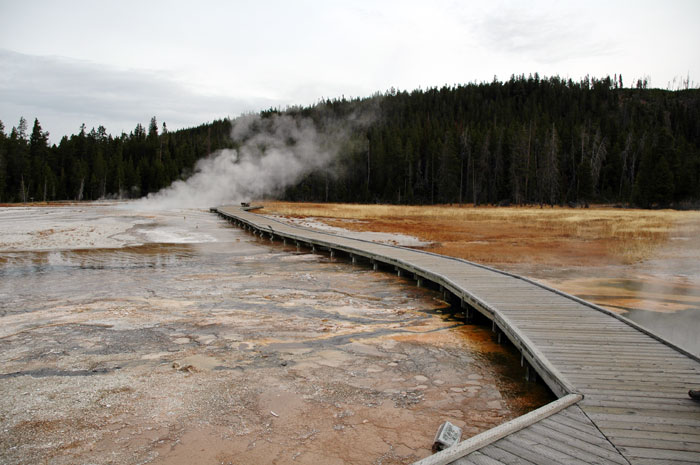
(623, 391)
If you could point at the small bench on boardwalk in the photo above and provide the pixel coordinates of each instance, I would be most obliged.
(622, 390)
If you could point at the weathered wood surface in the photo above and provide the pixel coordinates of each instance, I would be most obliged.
(635, 406)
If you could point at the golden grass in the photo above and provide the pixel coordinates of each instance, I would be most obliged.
(512, 234)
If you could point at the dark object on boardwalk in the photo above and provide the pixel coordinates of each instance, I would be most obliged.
(447, 436)
(245, 204)
(694, 394)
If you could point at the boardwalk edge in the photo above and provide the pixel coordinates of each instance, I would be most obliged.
(481, 440)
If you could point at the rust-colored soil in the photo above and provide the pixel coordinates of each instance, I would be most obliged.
(576, 250)
(560, 236)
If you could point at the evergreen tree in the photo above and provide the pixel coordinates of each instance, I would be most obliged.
(41, 173)
(3, 156)
(17, 163)
(549, 169)
(662, 187)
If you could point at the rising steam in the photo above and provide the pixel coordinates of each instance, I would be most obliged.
(274, 153)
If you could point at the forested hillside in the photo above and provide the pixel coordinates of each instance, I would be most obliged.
(527, 140)
(92, 165)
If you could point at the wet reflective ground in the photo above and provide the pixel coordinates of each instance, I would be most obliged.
(176, 338)
(661, 293)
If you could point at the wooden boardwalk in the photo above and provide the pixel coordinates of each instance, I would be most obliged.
(623, 391)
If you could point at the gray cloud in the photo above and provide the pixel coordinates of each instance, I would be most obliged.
(543, 36)
(63, 93)
(262, 54)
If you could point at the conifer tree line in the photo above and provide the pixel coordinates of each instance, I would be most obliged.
(523, 141)
(93, 165)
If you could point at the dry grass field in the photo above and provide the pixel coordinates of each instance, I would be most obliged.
(497, 235)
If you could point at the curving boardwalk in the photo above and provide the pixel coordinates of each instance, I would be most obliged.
(623, 392)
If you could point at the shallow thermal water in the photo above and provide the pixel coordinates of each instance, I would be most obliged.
(172, 337)
(403, 240)
(661, 293)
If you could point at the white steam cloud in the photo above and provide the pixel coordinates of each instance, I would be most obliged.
(274, 153)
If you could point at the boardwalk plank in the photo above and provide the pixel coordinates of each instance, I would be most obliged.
(631, 385)
(583, 433)
(640, 411)
(527, 452)
(623, 396)
(570, 423)
(542, 448)
(674, 394)
(504, 456)
(680, 406)
(662, 444)
(638, 461)
(661, 454)
(464, 461)
(661, 434)
(641, 420)
(478, 458)
(604, 353)
(661, 379)
(608, 425)
(572, 445)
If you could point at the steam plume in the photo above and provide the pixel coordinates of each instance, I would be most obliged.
(274, 153)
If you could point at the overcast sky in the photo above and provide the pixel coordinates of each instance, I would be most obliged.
(119, 63)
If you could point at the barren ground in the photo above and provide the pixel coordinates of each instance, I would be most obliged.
(174, 338)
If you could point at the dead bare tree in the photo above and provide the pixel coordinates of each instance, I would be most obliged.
(464, 152)
(550, 168)
(598, 153)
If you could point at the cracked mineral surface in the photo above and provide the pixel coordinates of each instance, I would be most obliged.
(173, 338)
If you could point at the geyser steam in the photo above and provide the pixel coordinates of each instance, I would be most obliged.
(274, 152)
